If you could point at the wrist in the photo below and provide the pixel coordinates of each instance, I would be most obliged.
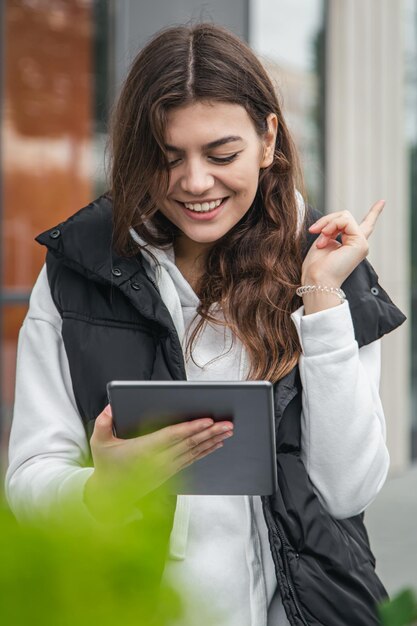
(318, 297)
(91, 496)
(316, 279)
(112, 501)
(99, 500)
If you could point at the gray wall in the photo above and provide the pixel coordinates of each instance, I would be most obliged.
(137, 20)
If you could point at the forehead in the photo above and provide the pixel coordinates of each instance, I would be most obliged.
(202, 122)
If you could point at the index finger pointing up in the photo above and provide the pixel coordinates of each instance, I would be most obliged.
(367, 225)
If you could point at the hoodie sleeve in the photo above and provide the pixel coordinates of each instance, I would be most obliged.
(48, 446)
(343, 425)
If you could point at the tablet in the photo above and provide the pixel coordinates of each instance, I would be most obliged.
(245, 465)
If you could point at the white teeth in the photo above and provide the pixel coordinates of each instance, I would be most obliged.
(203, 208)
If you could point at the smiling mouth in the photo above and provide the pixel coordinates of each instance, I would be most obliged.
(204, 207)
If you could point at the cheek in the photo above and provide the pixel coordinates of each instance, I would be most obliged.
(247, 173)
(246, 181)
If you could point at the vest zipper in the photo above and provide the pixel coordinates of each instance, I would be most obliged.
(273, 524)
(288, 575)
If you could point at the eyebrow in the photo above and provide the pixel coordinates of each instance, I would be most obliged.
(211, 145)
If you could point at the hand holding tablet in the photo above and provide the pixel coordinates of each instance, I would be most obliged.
(170, 413)
(141, 464)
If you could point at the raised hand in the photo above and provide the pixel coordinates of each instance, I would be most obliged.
(330, 262)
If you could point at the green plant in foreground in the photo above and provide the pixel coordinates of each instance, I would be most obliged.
(70, 570)
(400, 610)
(74, 573)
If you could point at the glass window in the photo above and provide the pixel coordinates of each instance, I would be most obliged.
(289, 37)
(54, 111)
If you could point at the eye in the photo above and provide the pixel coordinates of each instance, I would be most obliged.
(218, 160)
(227, 159)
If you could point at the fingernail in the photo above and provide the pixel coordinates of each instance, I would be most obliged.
(108, 410)
(227, 428)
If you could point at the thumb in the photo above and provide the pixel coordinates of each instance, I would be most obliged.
(103, 427)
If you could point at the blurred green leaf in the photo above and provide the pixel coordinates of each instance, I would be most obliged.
(67, 569)
(74, 573)
(400, 610)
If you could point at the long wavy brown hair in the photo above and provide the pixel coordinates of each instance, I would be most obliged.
(252, 271)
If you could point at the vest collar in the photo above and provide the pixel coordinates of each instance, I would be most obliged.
(84, 243)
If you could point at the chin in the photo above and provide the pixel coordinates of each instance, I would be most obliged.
(205, 237)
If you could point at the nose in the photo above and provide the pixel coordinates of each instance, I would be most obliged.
(196, 178)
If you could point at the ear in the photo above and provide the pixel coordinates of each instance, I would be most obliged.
(269, 140)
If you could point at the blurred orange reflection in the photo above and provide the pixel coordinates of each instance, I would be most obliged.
(47, 126)
(47, 140)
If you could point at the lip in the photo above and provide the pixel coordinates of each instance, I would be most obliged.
(204, 216)
(200, 201)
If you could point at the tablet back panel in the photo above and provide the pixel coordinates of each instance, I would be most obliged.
(245, 465)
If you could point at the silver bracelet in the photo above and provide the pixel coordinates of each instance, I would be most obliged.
(300, 291)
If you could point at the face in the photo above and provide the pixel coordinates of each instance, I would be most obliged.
(215, 156)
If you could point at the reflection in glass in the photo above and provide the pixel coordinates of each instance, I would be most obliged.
(289, 37)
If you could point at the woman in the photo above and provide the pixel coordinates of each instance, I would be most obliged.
(188, 268)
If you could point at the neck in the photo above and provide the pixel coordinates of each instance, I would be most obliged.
(192, 253)
(190, 258)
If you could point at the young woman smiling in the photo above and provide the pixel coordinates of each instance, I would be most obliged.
(189, 268)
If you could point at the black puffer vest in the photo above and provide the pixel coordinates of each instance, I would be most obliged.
(116, 326)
